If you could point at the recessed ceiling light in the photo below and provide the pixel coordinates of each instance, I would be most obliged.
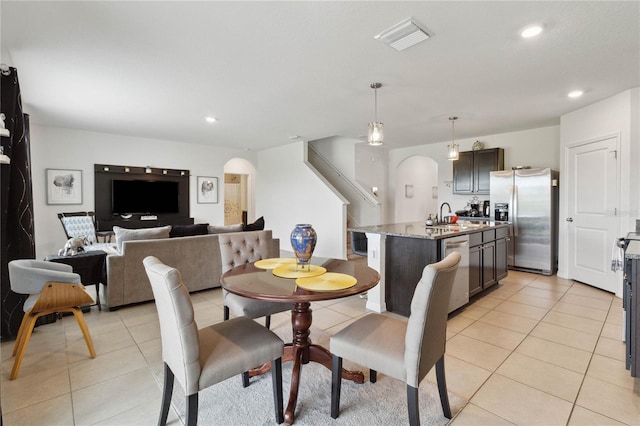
(531, 31)
(575, 93)
(211, 119)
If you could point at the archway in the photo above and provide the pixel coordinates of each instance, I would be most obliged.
(239, 196)
(416, 189)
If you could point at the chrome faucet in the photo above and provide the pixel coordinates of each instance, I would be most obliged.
(441, 206)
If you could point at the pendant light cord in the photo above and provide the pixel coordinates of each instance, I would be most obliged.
(453, 137)
(375, 103)
(453, 122)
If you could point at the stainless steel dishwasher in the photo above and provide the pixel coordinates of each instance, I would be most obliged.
(460, 291)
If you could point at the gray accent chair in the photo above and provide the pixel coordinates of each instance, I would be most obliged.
(404, 350)
(238, 249)
(52, 288)
(202, 358)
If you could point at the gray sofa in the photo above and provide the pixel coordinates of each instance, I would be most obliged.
(196, 257)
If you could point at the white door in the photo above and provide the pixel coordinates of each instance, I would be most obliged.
(592, 220)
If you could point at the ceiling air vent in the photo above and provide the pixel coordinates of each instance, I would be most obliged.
(403, 35)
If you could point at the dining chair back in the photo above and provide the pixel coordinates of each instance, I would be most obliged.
(238, 249)
(402, 349)
(52, 288)
(202, 358)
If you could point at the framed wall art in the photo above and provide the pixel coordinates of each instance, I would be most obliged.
(64, 186)
(207, 190)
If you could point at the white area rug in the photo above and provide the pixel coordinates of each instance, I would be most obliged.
(380, 403)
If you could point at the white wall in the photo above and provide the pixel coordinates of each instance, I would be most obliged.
(362, 165)
(76, 149)
(339, 151)
(368, 169)
(617, 115)
(421, 173)
(371, 170)
(535, 147)
(290, 192)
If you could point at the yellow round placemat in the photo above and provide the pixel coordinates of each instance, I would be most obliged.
(273, 262)
(327, 282)
(289, 271)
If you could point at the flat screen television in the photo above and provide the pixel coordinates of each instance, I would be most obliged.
(144, 196)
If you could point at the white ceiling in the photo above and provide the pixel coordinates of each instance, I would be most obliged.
(270, 70)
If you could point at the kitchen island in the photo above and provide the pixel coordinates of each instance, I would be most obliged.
(400, 251)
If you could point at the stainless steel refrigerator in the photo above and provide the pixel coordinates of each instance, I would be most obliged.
(529, 197)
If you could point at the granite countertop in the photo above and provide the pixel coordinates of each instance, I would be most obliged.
(420, 230)
(633, 250)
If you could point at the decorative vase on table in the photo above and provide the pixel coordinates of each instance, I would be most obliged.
(303, 241)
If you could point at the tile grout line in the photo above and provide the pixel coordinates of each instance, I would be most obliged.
(494, 372)
(592, 352)
(587, 370)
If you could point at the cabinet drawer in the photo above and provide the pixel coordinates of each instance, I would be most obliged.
(502, 232)
(475, 239)
(488, 235)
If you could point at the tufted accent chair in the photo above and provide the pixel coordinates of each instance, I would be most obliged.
(79, 224)
(237, 249)
(83, 225)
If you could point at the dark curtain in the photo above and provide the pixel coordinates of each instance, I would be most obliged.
(16, 232)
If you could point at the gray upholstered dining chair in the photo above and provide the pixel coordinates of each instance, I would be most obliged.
(237, 249)
(52, 288)
(202, 358)
(404, 350)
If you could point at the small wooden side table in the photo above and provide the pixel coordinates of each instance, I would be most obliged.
(90, 265)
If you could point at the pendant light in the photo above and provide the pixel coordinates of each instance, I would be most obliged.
(453, 149)
(376, 129)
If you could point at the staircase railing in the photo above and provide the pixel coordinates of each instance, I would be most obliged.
(364, 207)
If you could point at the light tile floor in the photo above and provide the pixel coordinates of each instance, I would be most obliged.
(536, 350)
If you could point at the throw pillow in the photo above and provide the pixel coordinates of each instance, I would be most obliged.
(188, 230)
(258, 225)
(124, 234)
(215, 229)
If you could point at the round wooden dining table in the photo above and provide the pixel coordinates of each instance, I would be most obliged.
(261, 284)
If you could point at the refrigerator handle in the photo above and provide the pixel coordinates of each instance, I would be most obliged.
(514, 209)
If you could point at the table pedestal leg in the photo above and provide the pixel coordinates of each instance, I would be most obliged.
(302, 351)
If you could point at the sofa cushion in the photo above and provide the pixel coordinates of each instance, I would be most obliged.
(215, 229)
(124, 234)
(258, 225)
(188, 230)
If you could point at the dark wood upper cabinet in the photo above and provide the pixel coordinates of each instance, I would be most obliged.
(463, 173)
(471, 170)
